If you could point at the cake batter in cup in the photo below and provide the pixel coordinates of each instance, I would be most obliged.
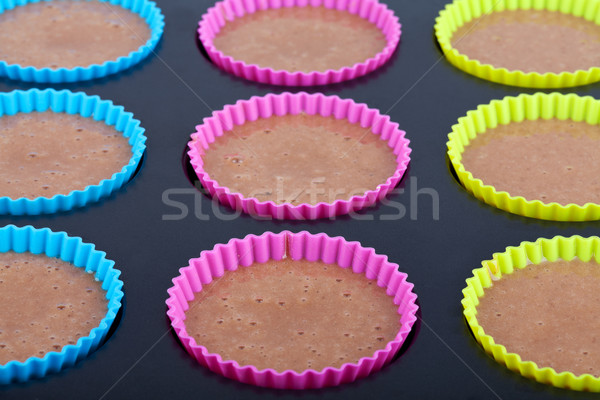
(260, 310)
(532, 155)
(537, 44)
(298, 42)
(298, 156)
(61, 150)
(534, 309)
(60, 297)
(74, 40)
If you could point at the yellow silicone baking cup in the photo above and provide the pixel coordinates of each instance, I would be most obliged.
(460, 12)
(516, 109)
(505, 263)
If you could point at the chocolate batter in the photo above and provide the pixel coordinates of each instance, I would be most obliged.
(67, 33)
(43, 154)
(531, 41)
(549, 160)
(300, 39)
(300, 159)
(46, 304)
(547, 313)
(294, 315)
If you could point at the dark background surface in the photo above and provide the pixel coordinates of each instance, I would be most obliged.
(170, 92)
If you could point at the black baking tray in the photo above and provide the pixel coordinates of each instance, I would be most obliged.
(443, 234)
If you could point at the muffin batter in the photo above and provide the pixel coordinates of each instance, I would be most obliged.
(547, 313)
(300, 159)
(69, 33)
(531, 41)
(294, 315)
(47, 153)
(549, 160)
(300, 39)
(47, 304)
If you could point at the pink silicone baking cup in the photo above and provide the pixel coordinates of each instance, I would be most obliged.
(287, 103)
(276, 246)
(373, 11)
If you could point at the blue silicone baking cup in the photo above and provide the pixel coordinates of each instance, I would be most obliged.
(19, 101)
(81, 255)
(146, 9)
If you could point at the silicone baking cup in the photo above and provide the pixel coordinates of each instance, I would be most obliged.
(81, 255)
(19, 101)
(275, 246)
(515, 109)
(283, 104)
(216, 17)
(460, 12)
(505, 263)
(146, 9)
